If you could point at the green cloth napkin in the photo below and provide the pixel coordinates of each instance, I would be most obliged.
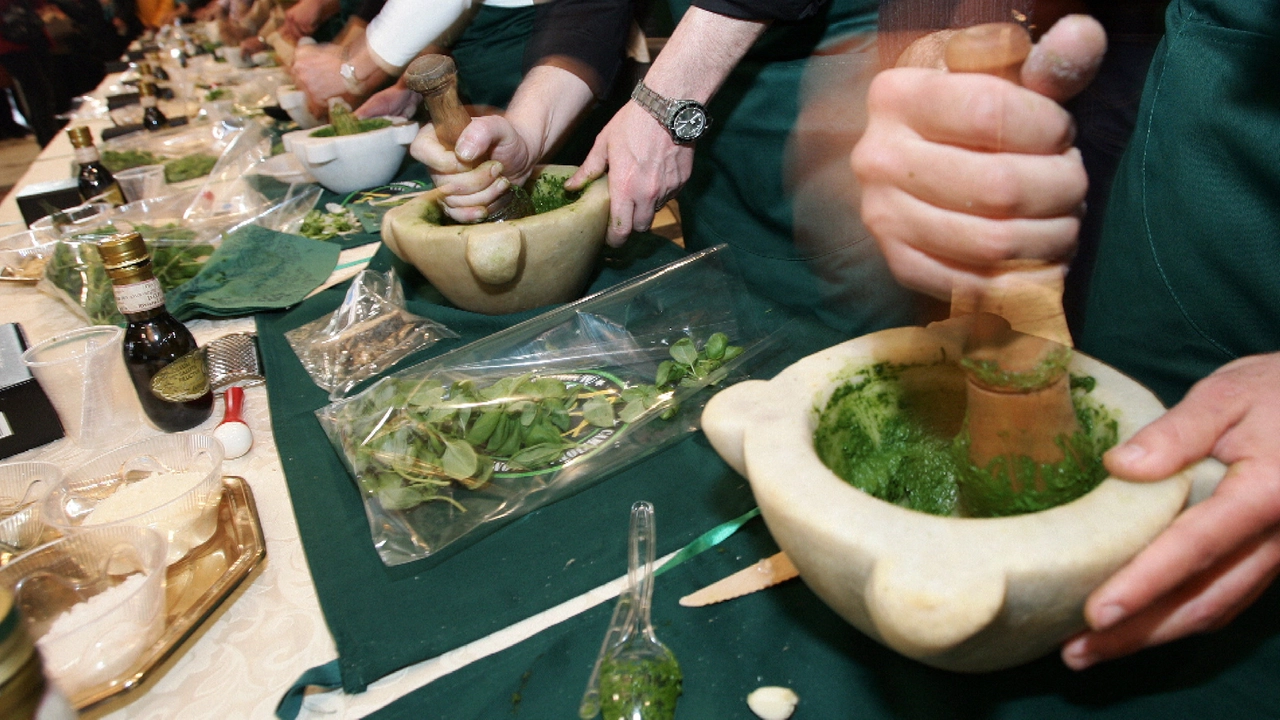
(786, 636)
(254, 269)
(383, 619)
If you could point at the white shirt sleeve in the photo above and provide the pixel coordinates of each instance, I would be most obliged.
(404, 27)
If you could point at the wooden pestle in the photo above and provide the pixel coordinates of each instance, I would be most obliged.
(435, 77)
(1018, 391)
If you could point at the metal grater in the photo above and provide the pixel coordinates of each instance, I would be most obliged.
(233, 360)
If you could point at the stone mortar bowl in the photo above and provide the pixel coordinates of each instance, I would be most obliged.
(346, 163)
(504, 267)
(963, 594)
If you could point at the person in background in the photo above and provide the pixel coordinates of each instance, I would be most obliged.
(1183, 294)
(24, 53)
(487, 41)
(765, 86)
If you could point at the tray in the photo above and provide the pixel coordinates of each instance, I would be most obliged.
(197, 585)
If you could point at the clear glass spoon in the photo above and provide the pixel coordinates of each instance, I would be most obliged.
(639, 676)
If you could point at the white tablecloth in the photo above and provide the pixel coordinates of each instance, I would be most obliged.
(264, 637)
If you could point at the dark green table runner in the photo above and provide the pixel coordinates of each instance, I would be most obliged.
(786, 636)
(383, 619)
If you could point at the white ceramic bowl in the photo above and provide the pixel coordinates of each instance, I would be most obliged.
(23, 488)
(89, 649)
(185, 520)
(967, 594)
(353, 162)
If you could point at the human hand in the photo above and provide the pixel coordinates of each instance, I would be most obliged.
(301, 20)
(1218, 556)
(395, 100)
(471, 192)
(251, 45)
(316, 73)
(962, 172)
(646, 168)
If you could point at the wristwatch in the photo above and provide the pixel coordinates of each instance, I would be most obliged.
(686, 120)
(348, 73)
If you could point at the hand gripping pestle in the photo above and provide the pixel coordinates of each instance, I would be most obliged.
(435, 77)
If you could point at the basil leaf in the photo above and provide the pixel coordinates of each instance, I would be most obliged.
(684, 352)
(598, 411)
(459, 459)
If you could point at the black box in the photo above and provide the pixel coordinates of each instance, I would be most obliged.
(27, 418)
(41, 199)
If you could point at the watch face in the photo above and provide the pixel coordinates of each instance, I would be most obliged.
(688, 123)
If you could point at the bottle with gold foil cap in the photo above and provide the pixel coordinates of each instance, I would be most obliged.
(25, 692)
(152, 118)
(165, 364)
(93, 177)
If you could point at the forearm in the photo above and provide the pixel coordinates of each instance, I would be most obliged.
(702, 51)
(545, 107)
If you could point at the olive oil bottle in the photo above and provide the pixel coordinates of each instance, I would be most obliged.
(152, 118)
(94, 179)
(166, 366)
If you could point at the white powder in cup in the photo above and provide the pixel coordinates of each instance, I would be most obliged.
(83, 648)
(184, 525)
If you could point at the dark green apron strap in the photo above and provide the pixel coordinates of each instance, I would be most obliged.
(325, 677)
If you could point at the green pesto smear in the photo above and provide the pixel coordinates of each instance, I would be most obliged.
(652, 686)
(1047, 371)
(884, 433)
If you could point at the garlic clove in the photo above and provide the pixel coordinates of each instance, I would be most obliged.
(773, 702)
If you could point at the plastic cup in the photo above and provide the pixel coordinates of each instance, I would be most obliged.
(142, 183)
(23, 487)
(23, 255)
(186, 515)
(81, 372)
(100, 643)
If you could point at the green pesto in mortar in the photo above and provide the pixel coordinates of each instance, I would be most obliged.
(548, 193)
(652, 685)
(363, 126)
(897, 446)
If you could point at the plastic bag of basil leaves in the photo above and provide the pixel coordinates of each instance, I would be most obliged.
(458, 445)
(75, 273)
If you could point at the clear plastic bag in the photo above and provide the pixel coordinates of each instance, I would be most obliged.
(179, 237)
(370, 332)
(187, 152)
(456, 446)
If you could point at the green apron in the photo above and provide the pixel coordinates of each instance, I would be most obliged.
(490, 55)
(771, 178)
(1188, 269)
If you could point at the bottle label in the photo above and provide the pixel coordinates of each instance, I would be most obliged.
(182, 380)
(86, 155)
(139, 297)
